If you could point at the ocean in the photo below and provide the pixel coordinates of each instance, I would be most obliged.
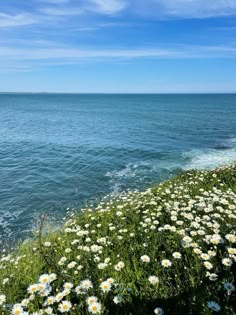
(60, 151)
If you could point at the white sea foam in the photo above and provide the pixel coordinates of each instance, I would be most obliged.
(129, 171)
(136, 173)
(160, 169)
(209, 158)
(232, 141)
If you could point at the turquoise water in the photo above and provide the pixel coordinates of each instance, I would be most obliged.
(59, 151)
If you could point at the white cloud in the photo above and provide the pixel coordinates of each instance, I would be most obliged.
(7, 20)
(66, 8)
(55, 1)
(184, 8)
(107, 6)
(200, 8)
(76, 55)
(85, 29)
(62, 11)
(157, 8)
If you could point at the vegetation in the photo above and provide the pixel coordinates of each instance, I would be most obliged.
(168, 250)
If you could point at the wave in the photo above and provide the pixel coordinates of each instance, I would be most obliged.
(222, 154)
(232, 141)
(209, 158)
(144, 173)
(129, 170)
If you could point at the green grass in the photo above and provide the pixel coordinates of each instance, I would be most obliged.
(193, 215)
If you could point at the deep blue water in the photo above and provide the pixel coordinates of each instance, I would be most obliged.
(58, 151)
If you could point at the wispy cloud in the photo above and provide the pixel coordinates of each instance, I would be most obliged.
(226, 28)
(75, 55)
(65, 8)
(85, 29)
(78, 54)
(160, 9)
(107, 6)
(62, 11)
(184, 8)
(54, 1)
(7, 20)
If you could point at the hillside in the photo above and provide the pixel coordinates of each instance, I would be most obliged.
(168, 250)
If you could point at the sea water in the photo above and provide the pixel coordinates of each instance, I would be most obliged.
(60, 151)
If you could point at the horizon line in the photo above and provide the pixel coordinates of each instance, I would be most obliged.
(117, 93)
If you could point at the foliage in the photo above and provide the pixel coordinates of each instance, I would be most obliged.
(170, 249)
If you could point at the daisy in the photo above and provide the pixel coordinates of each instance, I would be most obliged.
(42, 287)
(111, 280)
(205, 256)
(52, 277)
(231, 238)
(91, 300)
(72, 265)
(105, 286)
(177, 255)
(32, 288)
(119, 266)
(229, 286)
(65, 306)
(49, 311)
(25, 302)
(227, 262)
(214, 306)
(86, 284)
(145, 258)
(158, 311)
(80, 290)
(213, 276)
(117, 299)
(17, 310)
(2, 299)
(166, 263)
(44, 279)
(231, 250)
(208, 265)
(153, 280)
(95, 308)
(68, 285)
(50, 300)
(59, 297)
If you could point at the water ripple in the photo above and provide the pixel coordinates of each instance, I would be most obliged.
(58, 151)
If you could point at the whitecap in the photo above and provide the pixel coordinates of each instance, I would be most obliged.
(209, 158)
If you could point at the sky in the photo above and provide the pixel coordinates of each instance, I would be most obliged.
(118, 46)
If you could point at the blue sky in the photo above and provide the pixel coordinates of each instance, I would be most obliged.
(147, 46)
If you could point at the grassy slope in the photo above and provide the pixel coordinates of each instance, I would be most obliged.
(152, 223)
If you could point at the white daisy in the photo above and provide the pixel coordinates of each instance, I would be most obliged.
(95, 308)
(65, 306)
(105, 286)
(145, 258)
